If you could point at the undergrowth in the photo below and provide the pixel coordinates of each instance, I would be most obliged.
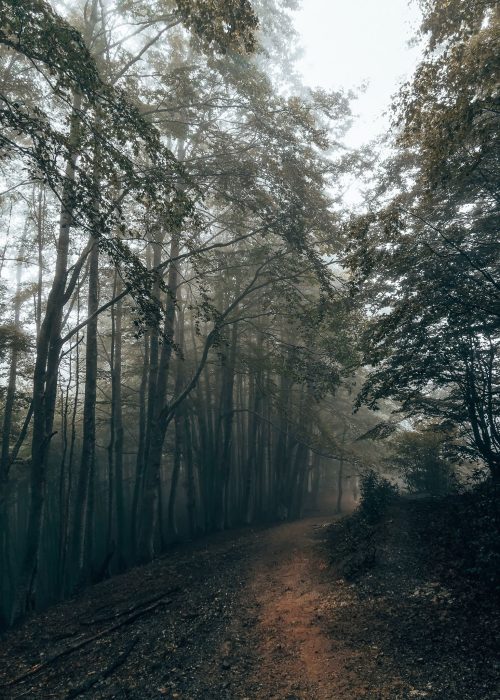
(456, 537)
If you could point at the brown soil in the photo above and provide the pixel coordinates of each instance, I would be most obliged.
(252, 615)
(297, 657)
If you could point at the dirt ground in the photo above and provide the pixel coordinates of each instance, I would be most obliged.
(252, 615)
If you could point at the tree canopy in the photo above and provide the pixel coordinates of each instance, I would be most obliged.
(429, 255)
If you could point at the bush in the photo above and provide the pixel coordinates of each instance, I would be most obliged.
(376, 494)
(419, 458)
(478, 524)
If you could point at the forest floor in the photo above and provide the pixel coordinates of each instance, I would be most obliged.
(299, 611)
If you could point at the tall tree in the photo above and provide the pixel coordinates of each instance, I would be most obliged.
(428, 259)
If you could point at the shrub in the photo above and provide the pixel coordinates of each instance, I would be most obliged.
(420, 461)
(376, 494)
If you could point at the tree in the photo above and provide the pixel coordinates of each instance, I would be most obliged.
(194, 328)
(427, 259)
(76, 163)
(419, 457)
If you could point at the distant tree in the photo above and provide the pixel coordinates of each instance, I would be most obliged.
(419, 457)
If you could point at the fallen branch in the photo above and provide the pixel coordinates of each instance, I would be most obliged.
(98, 677)
(87, 640)
(132, 608)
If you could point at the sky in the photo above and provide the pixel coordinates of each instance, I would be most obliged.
(350, 42)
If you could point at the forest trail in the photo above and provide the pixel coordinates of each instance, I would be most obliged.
(260, 614)
(297, 656)
(243, 615)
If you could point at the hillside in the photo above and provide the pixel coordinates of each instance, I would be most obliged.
(308, 610)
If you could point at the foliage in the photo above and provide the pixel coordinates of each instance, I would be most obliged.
(227, 24)
(13, 338)
(220, 26)
(466, 529)
(484, 548)
(419, 458)
(426, 261)
(377, 493)
(436, 611)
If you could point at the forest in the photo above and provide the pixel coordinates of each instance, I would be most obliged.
(201, 335)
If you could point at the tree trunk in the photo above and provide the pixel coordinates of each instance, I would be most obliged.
(149, 510)
(45, 379)
(223, 515)
(340, 476)
(118, 430)
(179, 432)
(190, 479)
(65, 535)
(140, 464)
(11, 391)
(80, 524)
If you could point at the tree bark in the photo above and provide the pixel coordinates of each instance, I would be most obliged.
(80, 521)
(117, 409)
(45, 378)
(340, 475)
(150, 503)
(11, 390)
(179, 431)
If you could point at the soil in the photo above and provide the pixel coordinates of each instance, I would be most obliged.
(258, 614)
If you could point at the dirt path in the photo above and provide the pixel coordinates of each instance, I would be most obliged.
(252, 615)
(297, 657)
(239, 615)
(310, 639)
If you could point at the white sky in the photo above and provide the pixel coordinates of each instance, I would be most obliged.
(350, 42)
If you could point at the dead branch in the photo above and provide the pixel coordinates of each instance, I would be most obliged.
(87, 640)
(132, 608)
(98, 677)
